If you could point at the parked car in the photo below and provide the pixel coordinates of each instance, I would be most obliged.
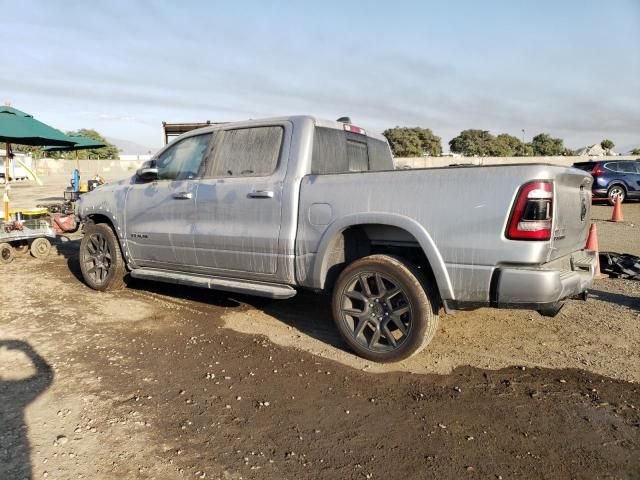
(266, 207)
(613, 178)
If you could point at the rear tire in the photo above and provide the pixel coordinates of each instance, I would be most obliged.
(616, 191)
(7, 253)
(384, 308)
(101, 261)
(40, 247)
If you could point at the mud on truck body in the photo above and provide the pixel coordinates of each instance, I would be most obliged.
(267, 207)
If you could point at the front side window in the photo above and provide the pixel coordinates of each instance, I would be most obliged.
(248, 152)
(182, 161)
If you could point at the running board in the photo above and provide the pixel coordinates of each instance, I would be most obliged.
(261, 289)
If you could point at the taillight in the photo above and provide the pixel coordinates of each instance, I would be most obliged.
(597, 170)
(354, 129)
(531, 218)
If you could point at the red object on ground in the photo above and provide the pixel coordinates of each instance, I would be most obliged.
(63, 223)
(617, 211)
(592, 244)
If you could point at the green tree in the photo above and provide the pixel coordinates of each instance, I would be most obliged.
(472, 143)
(607, 145)
(106, 152)
(413, 142)
(635, 151)
(545, 145)
(505, 145)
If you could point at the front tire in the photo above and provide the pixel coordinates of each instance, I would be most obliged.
(101, 261)
(384, 308)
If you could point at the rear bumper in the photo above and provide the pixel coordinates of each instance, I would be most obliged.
(599, 193)
(546, 285)
(536, 287)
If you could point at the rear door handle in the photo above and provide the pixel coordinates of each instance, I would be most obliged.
(261, 194)
(182, 195)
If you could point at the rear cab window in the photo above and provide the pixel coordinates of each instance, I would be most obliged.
(338, 151)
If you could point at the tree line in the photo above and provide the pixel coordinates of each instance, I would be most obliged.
(109, 151)
(416, 142)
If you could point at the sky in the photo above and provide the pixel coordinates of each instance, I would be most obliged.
(568, 68)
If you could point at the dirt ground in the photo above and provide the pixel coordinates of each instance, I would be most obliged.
(158, 381)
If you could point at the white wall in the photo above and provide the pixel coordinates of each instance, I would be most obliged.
(433, 162)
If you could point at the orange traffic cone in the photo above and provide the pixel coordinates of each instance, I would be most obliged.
(592, 244)
(617, 211)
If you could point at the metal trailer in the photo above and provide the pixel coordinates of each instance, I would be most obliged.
(22, 235)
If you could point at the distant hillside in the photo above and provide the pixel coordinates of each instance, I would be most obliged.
(127, 147)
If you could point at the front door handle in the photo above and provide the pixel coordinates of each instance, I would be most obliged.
(183, 196)
(261, 194)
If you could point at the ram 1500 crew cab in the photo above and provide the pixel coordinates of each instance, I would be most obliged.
(266, 207)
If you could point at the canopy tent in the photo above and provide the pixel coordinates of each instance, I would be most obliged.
(81, 143)
(20, 127)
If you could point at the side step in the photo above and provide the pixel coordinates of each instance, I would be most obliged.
(260, 289)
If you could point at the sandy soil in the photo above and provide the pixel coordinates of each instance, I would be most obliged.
(157, 381)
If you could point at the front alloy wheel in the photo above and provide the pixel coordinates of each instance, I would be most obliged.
(101, 262)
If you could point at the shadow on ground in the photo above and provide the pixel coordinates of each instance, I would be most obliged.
(15, 396)
(633, 303)
(307, 312)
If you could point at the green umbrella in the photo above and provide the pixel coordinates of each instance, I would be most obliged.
(22, 128)
(81, 143)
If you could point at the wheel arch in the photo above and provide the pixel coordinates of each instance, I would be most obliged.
(333, 255)
(619, 183)
(107, 218)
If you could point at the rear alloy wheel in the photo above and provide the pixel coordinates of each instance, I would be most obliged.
(6, 253)
(101, 261)
(40, 247)
(615, 192)
(384, 308)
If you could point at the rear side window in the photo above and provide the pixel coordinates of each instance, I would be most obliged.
(612, 166)
(627, 167)
(338, 151)
(248, 152)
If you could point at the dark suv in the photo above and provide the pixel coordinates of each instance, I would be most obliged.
(613, 178)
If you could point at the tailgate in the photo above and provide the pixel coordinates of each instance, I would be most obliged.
(572, 216)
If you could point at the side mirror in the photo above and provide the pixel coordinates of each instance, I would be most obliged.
(147, 172)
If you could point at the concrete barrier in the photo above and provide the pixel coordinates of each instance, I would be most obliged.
(109, 169)
(434, 162)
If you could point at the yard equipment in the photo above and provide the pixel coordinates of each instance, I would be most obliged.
(26, 230)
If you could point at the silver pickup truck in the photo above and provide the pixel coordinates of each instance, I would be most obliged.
(266, 207)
